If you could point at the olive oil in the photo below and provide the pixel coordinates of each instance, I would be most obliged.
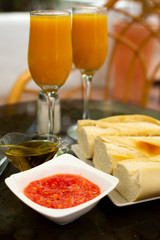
(29, 154)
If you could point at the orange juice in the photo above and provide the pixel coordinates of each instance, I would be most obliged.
(50, 50)
(89, 40)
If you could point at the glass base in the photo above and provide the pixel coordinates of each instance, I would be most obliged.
(71, 132)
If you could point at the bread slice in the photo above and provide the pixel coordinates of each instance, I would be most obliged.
(86, 134)
(109, 150)
(138, 179)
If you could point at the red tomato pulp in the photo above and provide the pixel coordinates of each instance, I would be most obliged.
(61, 191)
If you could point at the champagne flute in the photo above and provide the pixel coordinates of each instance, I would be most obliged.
(50, 53)
(90, 47)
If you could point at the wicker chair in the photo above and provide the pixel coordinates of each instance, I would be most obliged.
(20, 87)
(137, 50)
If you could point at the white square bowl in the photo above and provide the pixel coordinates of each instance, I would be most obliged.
(65, 163)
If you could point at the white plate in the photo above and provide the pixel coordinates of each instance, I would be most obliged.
(119, 201)
(114, 196)
(65, 163)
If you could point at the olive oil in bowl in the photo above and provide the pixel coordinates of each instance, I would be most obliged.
(31, 153)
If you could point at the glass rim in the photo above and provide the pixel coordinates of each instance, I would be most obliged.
(51, 13)
(89, 8)
(31, 135)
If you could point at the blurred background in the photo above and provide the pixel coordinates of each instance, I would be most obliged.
(27, 5)
(142, 36)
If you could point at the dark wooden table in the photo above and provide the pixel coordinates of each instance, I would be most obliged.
(105, 221)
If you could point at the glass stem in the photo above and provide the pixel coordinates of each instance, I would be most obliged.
(86, 94)
(51, 97)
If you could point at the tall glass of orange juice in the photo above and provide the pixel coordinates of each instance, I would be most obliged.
(90, 44)
(50, 53)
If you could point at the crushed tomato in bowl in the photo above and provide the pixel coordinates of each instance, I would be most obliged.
(61, 191)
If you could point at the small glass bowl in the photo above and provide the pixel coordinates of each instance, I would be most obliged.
(26, 151)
